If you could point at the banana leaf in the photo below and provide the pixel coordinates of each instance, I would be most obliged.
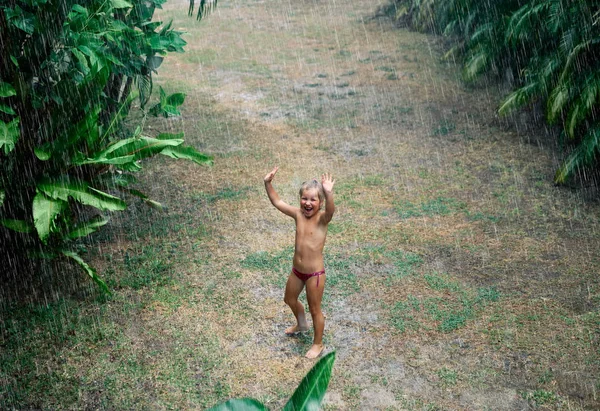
(80, 191)
(133, 149)
(151, 203)
(310, 392)
(89, 270)
(88, 227)
(188, 153)
(45, 211)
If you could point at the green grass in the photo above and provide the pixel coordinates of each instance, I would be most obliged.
(348, 186)
(540, 397)
(440, 282)
(144, 266)
(274, 267)
(448, 313)
(386, 69)
(341, 278)
(429, 208)
(479, 216)
(54, 354)
(401, 317)
(25, 341)
(444, 128)
(227, 193)
(205, 56)
(405, 263)
(447, 377)
(324, 111)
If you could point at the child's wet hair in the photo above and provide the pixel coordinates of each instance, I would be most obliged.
(310, 184)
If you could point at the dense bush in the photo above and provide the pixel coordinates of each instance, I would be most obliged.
(69, 73)
(551, 48)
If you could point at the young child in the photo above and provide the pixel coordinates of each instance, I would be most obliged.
(308, 268)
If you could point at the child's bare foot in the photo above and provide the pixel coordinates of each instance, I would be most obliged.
(315, 351)
(296, 329)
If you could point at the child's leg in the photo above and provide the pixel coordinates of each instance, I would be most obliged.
(314, 295)
(293, 288)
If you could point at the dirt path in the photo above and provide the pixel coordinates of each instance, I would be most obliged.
(458, 276)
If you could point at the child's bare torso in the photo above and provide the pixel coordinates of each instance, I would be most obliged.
(310, 240)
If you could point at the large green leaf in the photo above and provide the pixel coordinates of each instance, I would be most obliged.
(103, 160)
(9, 133)
(23, 20)
(6, 90)
(82, 192)
(20, 226)
(89, 270)
(134, 148)
(45, 210)
(154, 62)
(120, 4)
(43, 153)
(2, 196)
(242, 404)
(7, 109)
(167, 106)
(144, 197)
(310, 392)
(176, 99)
(188, 153)
(88, 227)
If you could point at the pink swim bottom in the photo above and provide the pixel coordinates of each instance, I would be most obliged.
(305, 277)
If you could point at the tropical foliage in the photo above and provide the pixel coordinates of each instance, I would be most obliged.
(307, 396)
(550, 47)
(70, 73)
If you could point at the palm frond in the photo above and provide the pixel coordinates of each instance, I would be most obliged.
(555, 16)
(483, 32)
(583, 106)
(205, 7)
(574, 56)
(476, 63)
(523, 22)
(585, 154)
(557, 102)
(519, 98)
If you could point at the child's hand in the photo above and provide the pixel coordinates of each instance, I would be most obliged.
(327, 182)
(269, 177)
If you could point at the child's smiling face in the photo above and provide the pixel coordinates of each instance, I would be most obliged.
(310, 203)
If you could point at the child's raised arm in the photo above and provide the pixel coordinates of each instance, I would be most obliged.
(274, 197)
(327, 182)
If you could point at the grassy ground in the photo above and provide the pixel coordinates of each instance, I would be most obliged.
(459, 277)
